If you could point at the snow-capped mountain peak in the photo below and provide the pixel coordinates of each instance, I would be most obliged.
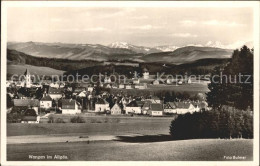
(216, 44)
(119, 45)
(166, 48)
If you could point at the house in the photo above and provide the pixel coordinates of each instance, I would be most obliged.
(116, 109)
(136, 81)
(27, 103)
(129, 86)
(77, 90)
(146, 106)
(145, 73)
(121, 86)
(90, 88)
(101, 105)
(156, 109)
(82, 94)
(184, 107)
(141, 86)
(54, 93)
(30, 116)
(69, 106)
(200, 105)
(154, 99)
(54, 85)
(46, 102)
(107, 80)
(107, 85)
(114, 86)
(156, 82)
(170, 107)
(133, 107)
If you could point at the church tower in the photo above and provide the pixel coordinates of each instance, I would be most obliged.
(28, 81)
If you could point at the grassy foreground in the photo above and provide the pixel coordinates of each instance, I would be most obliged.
(182, 150)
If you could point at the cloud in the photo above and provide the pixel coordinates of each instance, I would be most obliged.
(96, 29)
(188, 23)
(118, 13)
(139, 17)
(184, 35)
(145, 27)
(222, 23)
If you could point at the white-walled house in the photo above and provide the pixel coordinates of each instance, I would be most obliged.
(145, 73)
(136, 81)
(116, 109)
(170, 107)
(46, 102)
(69, 106)
(185, 107)
(133, 107)
(101, 106)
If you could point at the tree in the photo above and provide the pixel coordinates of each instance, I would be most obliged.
(233, 84)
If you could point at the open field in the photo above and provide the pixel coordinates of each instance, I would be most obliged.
(35, 70)
(114, 126)
(125, 150)
(119, 139)
(192, 89)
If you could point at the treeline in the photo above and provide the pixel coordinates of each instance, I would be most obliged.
(224, 123)
(232, 84)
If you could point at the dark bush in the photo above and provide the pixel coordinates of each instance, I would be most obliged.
(77, 119)
(59, 120)
(223, 123)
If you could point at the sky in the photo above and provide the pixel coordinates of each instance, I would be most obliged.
(138, 26)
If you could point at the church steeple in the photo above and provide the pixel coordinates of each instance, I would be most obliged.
(28, 81)
(26, 72)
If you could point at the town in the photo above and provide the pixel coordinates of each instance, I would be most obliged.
(35, 101)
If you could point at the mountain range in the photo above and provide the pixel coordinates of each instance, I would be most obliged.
(120, 51)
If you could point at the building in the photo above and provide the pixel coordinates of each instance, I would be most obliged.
(200, 105)
(54, 93)
(69, 106)
(27, 103)
(116, 109)
(30, 116)
(133, 108)
(107, 80)
(121, 86)
(82, 94)
(46, 102)
(136, 81)
(101, 105)
(170, 107)
(156, 82)
(156, 109)
(184, 107)
(54, 85)
(28, 80)
(154, 99)
(145, 73)
(129, 86)
(141, 86)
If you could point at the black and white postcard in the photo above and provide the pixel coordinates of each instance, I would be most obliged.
(87, 83)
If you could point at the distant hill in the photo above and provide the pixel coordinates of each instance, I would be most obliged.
(188, 54)
(118, 52)
(34, 70)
